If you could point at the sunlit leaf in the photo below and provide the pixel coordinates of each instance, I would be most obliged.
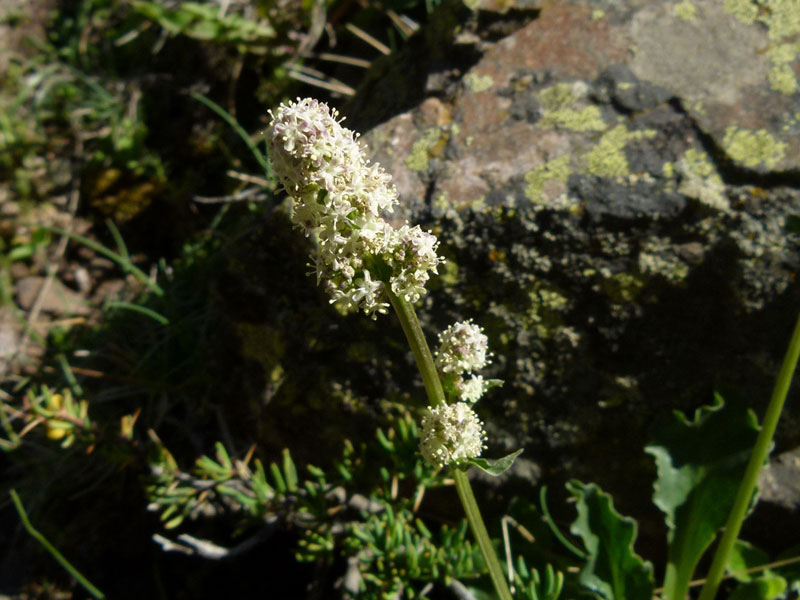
(494, 467)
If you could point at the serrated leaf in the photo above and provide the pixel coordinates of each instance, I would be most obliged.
(612, 568)
(700, 464)
(494, 467)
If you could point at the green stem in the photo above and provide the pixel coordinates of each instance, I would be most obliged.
(481, 535)
(433, 387)
(422, 354)
(23, 516)
(757, 459)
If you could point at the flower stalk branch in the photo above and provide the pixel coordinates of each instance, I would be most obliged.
(422, 354)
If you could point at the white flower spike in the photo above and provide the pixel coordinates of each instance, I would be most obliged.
(338, 198)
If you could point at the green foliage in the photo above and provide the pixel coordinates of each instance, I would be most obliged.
(493, 467)
(51, 96)
(746, 564)
(532, 585)
(612, 569)
(206, 22)
(700, 463)
(63, 418)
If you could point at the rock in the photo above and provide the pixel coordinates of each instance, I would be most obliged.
(779, 481)
(20, 20)
(734, 68)
(9, 338)
(58, 299)
(610, 183)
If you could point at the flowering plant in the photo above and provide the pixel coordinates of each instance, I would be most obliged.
(339, 199)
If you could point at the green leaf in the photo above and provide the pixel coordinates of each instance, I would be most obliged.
(745, 556)
(493, 383)
(289, 470)
(700, 464)
(767, 587)
(612, 568)
(277, 477)
(756, 585)
(493, 467)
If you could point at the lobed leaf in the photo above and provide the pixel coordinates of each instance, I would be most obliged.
(700, 464)
(613, 570)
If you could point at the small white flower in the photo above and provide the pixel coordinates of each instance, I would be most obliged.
(451, 433)
(472, 389)
(462, 347)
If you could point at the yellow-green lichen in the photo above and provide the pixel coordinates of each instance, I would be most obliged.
(607, 158)
(753, 148)
(782, 20)
(586, 119)
(556, 97)
(623, 288)
(478, 205)
(425, 148)
(781, 76)
(558, 102)
(701, 181)
(668, 170)
(478, 83)
(554, 170)
(781, 17)
(657, 257)
(547, 305)
(598, 14)
(745, 11)
(685, 10)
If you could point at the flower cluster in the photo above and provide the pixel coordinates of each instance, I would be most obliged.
(451, 433)
(339, 197)
(462, 347)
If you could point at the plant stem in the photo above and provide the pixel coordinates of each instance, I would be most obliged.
(23, 516)
(757, 459)
(481, 535)
(433, 387)
(422, 354)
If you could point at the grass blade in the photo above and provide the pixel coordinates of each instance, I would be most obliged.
(23, 516)
(234, 124)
